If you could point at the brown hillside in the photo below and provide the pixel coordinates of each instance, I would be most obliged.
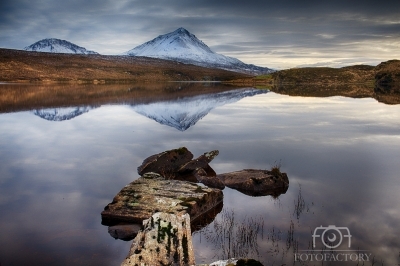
(23, 66)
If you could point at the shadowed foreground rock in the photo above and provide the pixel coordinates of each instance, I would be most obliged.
(165, 240)
(254, 182)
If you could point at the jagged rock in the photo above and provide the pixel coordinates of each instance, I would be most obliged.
(201, 162)
(124, 232)
(178, 164)
(166, 163)
(256, 182)
(199, 170)
(143, 197)
(165, 240)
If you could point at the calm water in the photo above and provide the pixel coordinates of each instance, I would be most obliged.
(59, 167)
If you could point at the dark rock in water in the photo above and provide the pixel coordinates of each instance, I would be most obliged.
(124, 232)
(166, 163)
(201, 162)
(248, 262)
(199, 170)
(177, 164)
(254, 182)
(143, 197)
(209, 180)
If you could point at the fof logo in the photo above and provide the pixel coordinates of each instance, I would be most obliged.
(331, 236)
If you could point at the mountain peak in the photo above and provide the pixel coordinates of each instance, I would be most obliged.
(183, 46)
(53, 45)
(182, 31)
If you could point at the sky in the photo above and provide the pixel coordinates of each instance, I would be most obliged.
(276, 34)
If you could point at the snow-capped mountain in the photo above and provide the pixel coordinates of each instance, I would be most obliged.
(62, 114)
(186, 112)
(57, 46)
(185, 47)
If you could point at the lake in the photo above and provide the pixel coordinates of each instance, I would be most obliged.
(66, 151)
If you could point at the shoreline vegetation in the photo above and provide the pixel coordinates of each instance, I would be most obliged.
(381, 82)
(17, 66)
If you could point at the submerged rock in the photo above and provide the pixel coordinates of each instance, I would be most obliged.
(254, 182)
(143, 197)
(165, 240)
(124, 232)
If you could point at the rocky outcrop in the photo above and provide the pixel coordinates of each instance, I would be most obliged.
(165, 240)
(160, 208)
(147, 195)
(177, 164)
(254, 182)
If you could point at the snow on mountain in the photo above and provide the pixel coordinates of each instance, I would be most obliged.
(186, 112)
(185, 47)
(57, 46)
(62, 114)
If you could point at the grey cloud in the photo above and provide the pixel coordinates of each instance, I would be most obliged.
(246, 29)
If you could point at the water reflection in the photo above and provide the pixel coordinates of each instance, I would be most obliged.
(62, 114)
(176, 105)
(385, 95)
(55, 178)
(184, 112)
(232, 238)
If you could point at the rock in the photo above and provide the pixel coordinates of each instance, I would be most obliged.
(124, 232)
(256, 182)
(248, 262)
(201, 162)
(199, 171)
(211, 181)
(166, 163)
(165, 240)
(152, 175)
(143, 197)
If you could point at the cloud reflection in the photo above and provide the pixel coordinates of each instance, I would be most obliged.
(56, 177)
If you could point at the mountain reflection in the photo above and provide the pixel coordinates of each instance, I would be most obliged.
(61, 114)
(182, 113)
(176, 105)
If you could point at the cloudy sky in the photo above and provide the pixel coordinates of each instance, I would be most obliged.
(277, 34)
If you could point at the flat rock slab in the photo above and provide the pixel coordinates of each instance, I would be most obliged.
(255, 182)
(143, 197)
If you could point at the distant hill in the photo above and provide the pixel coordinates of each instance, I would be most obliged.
(183, 46)
(57, 46)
